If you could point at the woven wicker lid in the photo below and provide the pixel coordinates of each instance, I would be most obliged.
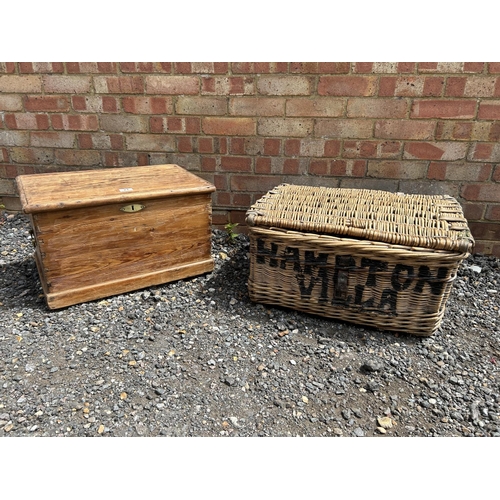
(428, 221)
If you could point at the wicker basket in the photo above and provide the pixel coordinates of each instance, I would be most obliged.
(374, 258)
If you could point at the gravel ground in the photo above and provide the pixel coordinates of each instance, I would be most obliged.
(197, 358)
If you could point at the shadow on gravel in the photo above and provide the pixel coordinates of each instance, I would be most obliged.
(21, 286)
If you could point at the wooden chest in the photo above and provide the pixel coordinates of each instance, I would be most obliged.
(385, 260)
(104, 232)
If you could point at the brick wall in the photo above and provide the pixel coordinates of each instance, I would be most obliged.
(246, 127)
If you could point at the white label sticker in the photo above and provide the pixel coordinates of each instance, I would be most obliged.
(125, 190)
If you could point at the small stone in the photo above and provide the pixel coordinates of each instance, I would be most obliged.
(385, 422)
(305, 399)
(381, 430)
(372, 365)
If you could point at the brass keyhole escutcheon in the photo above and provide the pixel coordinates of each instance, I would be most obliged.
(134, 207)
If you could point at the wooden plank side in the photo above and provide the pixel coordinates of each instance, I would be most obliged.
(83, 247)
(84, 188)
(78, 295)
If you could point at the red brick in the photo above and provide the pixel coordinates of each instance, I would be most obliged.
(471, 172)
(173, 85)
(272, 147)
(318, 167)
(119, 84)
(348, 168)
(46, 103)
(493, 212)
(205, 145)
(95, 104)
(344, 128)
(494, 67)
(433, 86)
(136, 67)
(91, 67)
(473, 211)
(347, 85)
(120, 159)
(4, 155)
(254, 183)
(74, 122)
(257, 106)
(481, 192)
(406, 67)
(292, 147)
(485, 230)
(361, 67)
(76, 157)
(100, 141)
(489, 110)
(228, 126)
(496, 174)
(494, 132)
(376, 108)
(228, 85)
(291, 166)
(241, 200)
(208, 164)
(237, 146)
(41, 67)
(360, 149)
(411, 86)
(455, 86)
(474, 67)
(485, 152)
(262, 165)
(221, 145)
(192, 125)
(27, 121)
(235, 164)
(185, 144)
(147, 105)
(387, 86)
(427, 66)
(443, 109)
(332, 148)
(208, 85)
(7, 67)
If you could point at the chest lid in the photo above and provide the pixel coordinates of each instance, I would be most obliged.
(86, 188)
(428, 221)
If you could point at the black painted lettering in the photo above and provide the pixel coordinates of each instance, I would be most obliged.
(263, 252)
(312, 265)
(374, 267)
(436, 282)
(396, 280)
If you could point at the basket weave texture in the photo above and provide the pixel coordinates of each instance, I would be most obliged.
(385, 260)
